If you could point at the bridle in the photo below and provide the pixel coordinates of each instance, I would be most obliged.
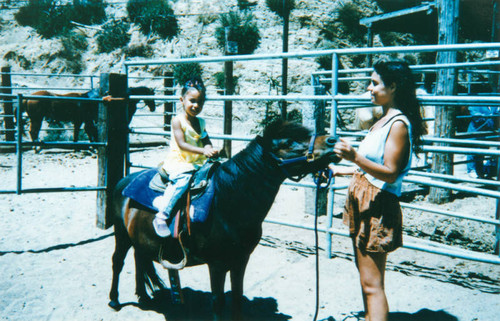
(307, 158)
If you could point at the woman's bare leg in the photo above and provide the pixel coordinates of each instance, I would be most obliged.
(371, 267)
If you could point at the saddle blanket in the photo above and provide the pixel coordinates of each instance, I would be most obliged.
(138, 190)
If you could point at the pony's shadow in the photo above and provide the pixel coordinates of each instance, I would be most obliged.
(421, 315)
(197, 307)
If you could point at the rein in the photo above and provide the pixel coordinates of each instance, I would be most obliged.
(307, 158)
(320, 184)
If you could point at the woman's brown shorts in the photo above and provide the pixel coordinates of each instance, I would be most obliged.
(373, 216)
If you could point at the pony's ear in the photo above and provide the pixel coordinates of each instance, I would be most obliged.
(273, 128)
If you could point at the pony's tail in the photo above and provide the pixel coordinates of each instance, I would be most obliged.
(151, 278)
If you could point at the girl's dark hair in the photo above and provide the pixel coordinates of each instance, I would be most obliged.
(405, 96)
(194, 83)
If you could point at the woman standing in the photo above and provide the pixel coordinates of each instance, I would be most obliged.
(372, 209)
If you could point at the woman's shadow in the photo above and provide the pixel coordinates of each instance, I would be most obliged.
(422, 315)
(197, 307)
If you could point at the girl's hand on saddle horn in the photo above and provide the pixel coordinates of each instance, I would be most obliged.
(210, 152)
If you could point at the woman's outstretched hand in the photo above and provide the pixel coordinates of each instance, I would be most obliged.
(344, 150)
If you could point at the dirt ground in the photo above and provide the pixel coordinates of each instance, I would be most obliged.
(56, 264)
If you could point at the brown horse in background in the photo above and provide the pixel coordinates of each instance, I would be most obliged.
(78, 111)
(70, 110)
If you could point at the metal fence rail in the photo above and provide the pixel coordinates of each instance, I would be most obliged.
(20, 145)
(338, 101)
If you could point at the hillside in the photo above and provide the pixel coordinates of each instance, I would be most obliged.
(25, 51)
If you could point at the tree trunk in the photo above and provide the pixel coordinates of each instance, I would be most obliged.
(446, 85)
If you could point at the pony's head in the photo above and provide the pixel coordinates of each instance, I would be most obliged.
(297, 150)
(150, 102)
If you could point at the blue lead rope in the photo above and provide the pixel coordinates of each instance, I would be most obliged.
(322, 179)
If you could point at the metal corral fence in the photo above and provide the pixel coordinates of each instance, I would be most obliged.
(338, 101)
(27, 83)
(111, 140)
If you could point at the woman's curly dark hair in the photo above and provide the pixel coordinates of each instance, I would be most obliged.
(405, 96)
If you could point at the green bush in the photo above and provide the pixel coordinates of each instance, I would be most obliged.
(244, 31)
(73, 44)
(220, 80)
(30, 14)
(49, 18)
(245, 4)
(89, 12)
(20, 59)
(141, 50)
(281, 7)
(184, 72)
(153, 16)
(52, 18)
(113, 35)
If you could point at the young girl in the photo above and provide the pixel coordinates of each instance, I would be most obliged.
(189, 149)
(372, 209)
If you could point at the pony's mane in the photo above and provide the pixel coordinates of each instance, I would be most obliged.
(140, 90)
(281, 129)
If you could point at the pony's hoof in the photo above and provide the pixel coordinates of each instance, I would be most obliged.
(146, 303)
(115, 305)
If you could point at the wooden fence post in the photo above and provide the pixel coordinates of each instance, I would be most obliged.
(313, 117)
(228, 106)
(444, 126)
(7, 104)
(113, 130)
(168, 106)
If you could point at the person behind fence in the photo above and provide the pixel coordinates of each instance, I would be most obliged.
(483, 119)
(190, 147)
(372, 210)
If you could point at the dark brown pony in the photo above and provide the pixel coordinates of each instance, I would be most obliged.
(245, 188)
(78, 111)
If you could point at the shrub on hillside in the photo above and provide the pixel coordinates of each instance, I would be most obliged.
(153, 16)
(73, 44)
(89, 12)
(220, 80)
(281, 7)
(246, 4)
(243, 31)
(52, 18)
(184, 72)
(141, 50)
(113, 35)
(49, 18)
(345, 25)
(29, 14)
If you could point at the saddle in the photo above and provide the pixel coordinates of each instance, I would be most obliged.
(192, 207)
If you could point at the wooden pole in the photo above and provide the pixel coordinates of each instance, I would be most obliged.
(231, 48)
(169, 106)
(228, 106)
(313, 117)
(284, 65)
(112, 120)
(445, 127)
(8, 109)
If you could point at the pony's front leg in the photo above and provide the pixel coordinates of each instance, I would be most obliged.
(237, 275)
(76, 130)
(217, 280)
(35, 126)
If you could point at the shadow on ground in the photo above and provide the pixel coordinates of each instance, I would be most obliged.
(197, 307)
(422, 315)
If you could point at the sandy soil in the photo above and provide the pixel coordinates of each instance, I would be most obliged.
(56, 264)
